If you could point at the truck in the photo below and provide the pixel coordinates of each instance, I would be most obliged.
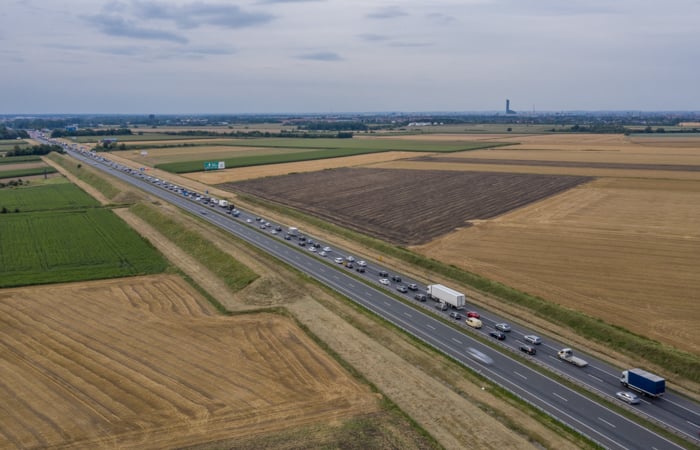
(223, 203)
(444, 294)
(292, 231)
(568, 355)
(643, 382)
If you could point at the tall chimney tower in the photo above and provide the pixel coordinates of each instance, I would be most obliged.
(507, 106)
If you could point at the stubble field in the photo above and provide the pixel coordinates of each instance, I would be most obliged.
(145, 363)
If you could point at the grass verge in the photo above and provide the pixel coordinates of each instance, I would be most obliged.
(85, 174)
(234, 274)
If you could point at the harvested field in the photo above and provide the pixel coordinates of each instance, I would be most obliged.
(624, 250)
(162, 372)
(214, 153)
(406, 207)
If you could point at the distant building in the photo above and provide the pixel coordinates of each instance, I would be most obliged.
(508, 110)
(108, 141)
(72, 127)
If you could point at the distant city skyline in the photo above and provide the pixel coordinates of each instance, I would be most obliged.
(337, 56)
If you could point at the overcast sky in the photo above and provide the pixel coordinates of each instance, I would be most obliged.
(258, 56)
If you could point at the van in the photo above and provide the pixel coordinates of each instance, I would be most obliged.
(473, 322)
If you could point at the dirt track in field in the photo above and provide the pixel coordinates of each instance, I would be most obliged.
(144, 363)
(406, 207)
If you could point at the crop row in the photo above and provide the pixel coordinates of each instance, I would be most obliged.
(15, 173)
(46, 197)
(66, 246)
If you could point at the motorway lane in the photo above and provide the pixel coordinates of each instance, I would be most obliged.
(599, 423)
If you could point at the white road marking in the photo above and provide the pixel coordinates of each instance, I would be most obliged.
(597, 378)
(606, 422)
(520, 375)
(457, 341)
(557, 395)
(407, 314)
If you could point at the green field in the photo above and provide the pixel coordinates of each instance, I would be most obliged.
(19, 159)
(327, 148)
(17, 173)
(63, 246)
(46, 197)
(136, 137)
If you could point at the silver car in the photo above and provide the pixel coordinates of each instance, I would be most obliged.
(532, 339)
(628, 397)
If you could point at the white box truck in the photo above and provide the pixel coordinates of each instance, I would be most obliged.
(444, 294)
(293, 231)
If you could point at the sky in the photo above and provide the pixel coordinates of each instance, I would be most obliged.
(336, 56)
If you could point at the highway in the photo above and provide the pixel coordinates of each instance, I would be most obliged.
(581, 413)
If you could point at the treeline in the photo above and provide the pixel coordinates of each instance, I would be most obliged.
(58, 133)
(262, 134)
(43, 149)
(10, 133)
(342, 125)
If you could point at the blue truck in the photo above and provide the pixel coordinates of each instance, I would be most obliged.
(643, 382)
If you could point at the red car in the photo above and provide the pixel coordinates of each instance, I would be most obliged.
(473, 314)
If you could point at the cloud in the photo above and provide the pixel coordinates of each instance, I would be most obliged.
(373, 37)
(412, 44)
(289, 1)
(388, 12)
(117, 26)
(193, 15)
(321, 56)
(440, 18)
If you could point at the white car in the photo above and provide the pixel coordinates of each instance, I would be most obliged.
(350, 258)
(384, 281)
(532, 339)
(327, 249)
(628, 397)
(324, 254)
(312, 249)
(362, 263)
(249, 220)
(338, 260)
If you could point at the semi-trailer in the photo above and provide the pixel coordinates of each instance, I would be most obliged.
(643, 382)
(444, 294)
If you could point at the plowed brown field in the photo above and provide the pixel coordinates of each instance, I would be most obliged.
(144, 363)
(402, 206)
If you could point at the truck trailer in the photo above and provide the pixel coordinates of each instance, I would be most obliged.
(567, 355)
(293, 231)
(444, 294)
(643, 382)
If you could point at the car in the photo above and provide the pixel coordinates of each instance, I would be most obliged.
(532, 339)
(474, 322)
(479, 356)
(384, 281)
(302, 243)
(302, 238)
(412, 286)
(401, 288)
(258, 219)
(248, 220)
(529, 349)
(277, 228)
(317, 245)
(327, 249)
(274, 231)
(268, 224)
(420, 297)
(362, 263)
(360, 269)
(441, 306)
(504, 327)
(456, 315)
(286, 237)
(312, 248)
(235, 213)
(383, 273)
(338, 260)
(349, 265)
(396, 278)
(262, 226)
(473, 314)
(498, 335)
(324, 254)
(627, 397)
(350, 258)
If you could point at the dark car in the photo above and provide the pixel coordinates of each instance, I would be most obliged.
(287, 237)
(360, 269)
(529, 349)
(302, 243)
(456, 315)
(396, 278)
(383, 273)
(401, 288)
(420, 297)
(498, 335)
